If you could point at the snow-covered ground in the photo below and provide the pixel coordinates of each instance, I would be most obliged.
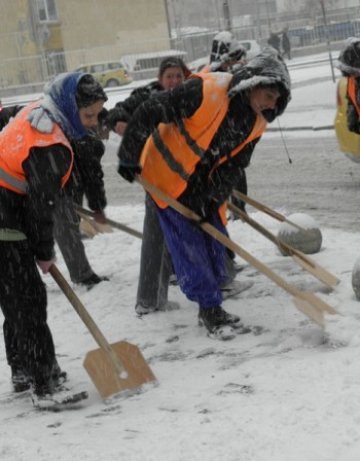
(289, 393)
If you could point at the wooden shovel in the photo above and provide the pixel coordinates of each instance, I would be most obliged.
(84, 212)
(113, 368)
(300, 258)
(264, 208)
(308, 303)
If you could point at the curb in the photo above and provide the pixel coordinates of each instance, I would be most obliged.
(302, 128)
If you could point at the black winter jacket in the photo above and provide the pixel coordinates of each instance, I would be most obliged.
(32, 213)
(87, 176)
(204, 192)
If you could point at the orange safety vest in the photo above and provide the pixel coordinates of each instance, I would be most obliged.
(351, 91)
(172, 152)
(16, 141)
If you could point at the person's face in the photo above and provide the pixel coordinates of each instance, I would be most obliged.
(89, 115)
(171, 78)
(262, 98)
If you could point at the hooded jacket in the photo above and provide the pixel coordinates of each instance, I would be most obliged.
(172, 152)
(45, 166)
(205, 192)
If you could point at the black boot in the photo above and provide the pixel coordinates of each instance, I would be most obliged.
(58, 375)
(93, 280)
(218, 322)
(20, 380)
(219, 315)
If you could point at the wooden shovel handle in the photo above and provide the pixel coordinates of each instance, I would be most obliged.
(245, 217)
(80, 210)
(264, 208)
(313, 312)
(300, 258)
(86, 317)
(218, 235)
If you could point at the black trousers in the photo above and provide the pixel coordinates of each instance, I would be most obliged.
(155, 261)
(28, 340)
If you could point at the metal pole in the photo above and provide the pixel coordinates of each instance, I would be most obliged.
(258, 20)
(328, 39)
(227, 18)
(167, 18)
(268, 15)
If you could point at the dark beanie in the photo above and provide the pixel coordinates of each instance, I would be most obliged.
(89, 91)
(173, 61)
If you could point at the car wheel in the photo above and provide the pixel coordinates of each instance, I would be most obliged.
(112, 82)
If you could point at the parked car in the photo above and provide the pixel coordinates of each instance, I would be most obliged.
(349, 142)
(146, 65)
(109, 74)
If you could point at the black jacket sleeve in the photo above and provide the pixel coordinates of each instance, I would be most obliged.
(88, 176)
(164, 107)
(124, 110)
(44, 169)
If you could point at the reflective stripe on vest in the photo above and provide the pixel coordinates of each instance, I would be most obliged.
(16, 141)
(16, 184)
(351, 91)
(171, 154)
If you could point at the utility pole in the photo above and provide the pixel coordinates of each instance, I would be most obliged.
(258, 21)
(227, 17)
(327, 39)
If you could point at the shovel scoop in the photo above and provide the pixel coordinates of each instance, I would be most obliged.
(113, 368)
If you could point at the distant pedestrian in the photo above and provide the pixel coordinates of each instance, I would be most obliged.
(285, 43)
(274, 41)
(226, 52)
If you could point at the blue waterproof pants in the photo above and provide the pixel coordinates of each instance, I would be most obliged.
(197, 257)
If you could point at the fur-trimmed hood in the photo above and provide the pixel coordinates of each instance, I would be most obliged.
(267, 68)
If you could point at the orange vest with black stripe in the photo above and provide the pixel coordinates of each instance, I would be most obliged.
(16, 141)
(172, 152)
(351, 91)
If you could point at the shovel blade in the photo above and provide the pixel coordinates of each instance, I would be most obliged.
(106, 378)
(311, 311)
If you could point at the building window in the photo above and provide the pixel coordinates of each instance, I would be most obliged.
(46, 10)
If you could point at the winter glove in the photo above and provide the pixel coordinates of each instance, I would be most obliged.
(207, 212)
(114, 116)
(40, 120)
(99, 217)
(129, 172)
(103, 128)
(45, 265)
